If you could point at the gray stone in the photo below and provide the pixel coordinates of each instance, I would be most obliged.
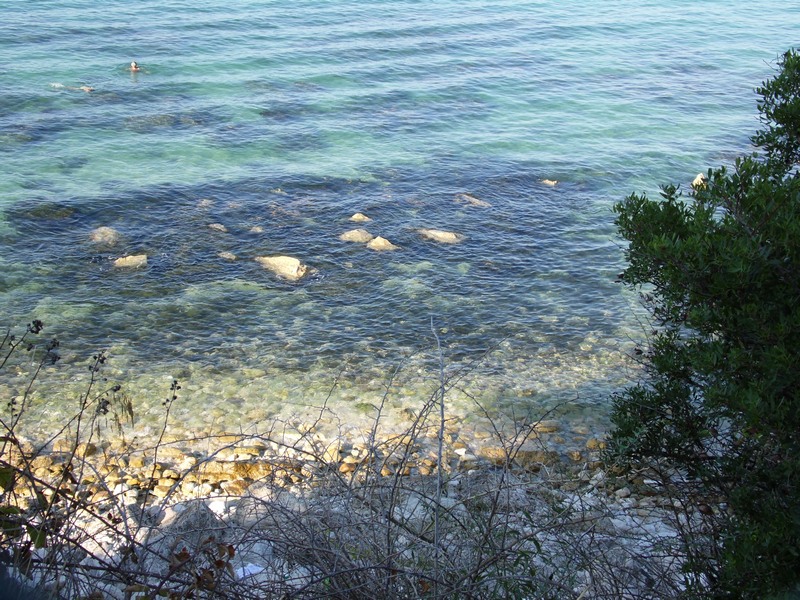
(623, 493)
(195, 524)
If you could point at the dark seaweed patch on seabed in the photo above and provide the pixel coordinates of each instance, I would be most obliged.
(17, 135)
(30, 131)
(42, 213)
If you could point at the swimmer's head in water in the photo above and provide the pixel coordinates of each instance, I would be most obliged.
(134, 66)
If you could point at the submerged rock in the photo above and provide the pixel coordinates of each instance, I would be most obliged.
(360, 218)
(547, 426)
(227, 255)
(106, 236)
(533, 460)
(131, 262)
(444, 237)
(286, 267)
(471, 200)
(381, 244)
(152, 122)
(357, 235)
(218, 227)
(51, 211)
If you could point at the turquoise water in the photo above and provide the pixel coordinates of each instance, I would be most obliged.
(280, 120)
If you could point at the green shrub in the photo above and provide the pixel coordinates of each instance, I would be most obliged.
(718, 408)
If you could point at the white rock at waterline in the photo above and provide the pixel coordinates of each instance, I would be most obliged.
(360, 218)
(357, 235)
(287, 267)
(381, 244)
(218, 227)
(550, 182)
(700, 181)
(131, 262)
(443, 237)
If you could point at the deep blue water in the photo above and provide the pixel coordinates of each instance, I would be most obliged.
(281, 120)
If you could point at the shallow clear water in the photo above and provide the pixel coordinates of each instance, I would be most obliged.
(280, 120)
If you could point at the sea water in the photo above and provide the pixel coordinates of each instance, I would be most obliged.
(277, 121)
